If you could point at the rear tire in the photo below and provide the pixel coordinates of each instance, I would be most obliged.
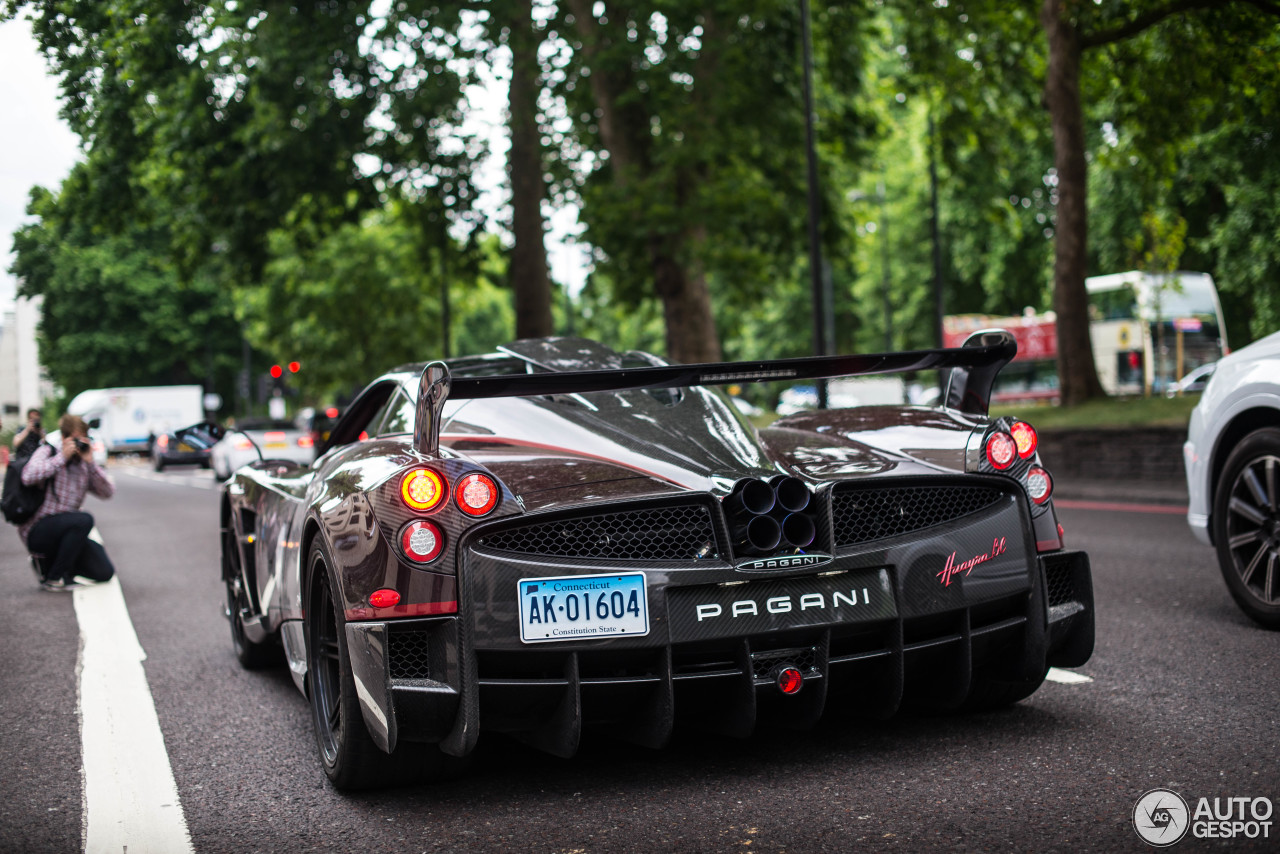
(348, 754)
(1246, 525)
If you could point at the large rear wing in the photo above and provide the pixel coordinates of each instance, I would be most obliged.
(968, 388)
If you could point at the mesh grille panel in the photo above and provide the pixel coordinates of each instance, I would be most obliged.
(862, 515)
(658, 533)
(804, 660)
(1057, 577)
(409, 654)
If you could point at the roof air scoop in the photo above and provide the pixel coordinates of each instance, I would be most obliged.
(433, 391)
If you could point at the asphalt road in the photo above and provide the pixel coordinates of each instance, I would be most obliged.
(1183, 695)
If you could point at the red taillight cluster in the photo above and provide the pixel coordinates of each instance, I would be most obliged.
(306, 442)
(1019, 442)
(1039, 485)
(421, 541)
(424, 490)
(1001, 450)
(1024, 438)
(476, 494)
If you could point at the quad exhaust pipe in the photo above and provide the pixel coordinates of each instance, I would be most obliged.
(764, 516)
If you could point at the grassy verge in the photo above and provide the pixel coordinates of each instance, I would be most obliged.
(1112, 412)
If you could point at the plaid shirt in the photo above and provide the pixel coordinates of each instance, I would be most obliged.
(66, 491)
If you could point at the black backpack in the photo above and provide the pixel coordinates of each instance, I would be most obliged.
(20, 501)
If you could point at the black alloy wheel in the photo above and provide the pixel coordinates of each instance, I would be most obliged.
(251, 655)
(351, 759)
(1246, 523)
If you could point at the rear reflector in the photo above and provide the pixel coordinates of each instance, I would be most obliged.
(1039, 485)
(789, 680)
(384, 598)
(1001, 450)
(1024, 436)
(306, 442)
(273, 436)
(422, 489)
(421, 541)
(476, 494)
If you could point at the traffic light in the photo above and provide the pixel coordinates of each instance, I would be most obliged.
(293, 367)
(276, 372)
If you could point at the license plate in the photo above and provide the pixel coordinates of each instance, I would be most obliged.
(184, 448)
(275, 445)
(581, 607)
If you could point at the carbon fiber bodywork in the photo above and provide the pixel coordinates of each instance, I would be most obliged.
(928, 574)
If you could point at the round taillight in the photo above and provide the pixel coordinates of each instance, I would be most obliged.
(1024, 436)
(421, 541)
(384, 598)
(789, 680)
(1001, 449)
(422, 489)
(1039, 485)
(476, 494)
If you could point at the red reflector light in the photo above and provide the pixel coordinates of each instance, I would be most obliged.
(331, 412)
(243, 444)
(422, 489)
(1024, 436)
(305, 442)
(1039, 485)
(476, 494)
(162, 440)
(421, 541)
(1001, 449)
(384, 598)
(789, 680)
(273, 436)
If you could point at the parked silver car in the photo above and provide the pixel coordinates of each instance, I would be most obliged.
(261, 438)
(1232, 457)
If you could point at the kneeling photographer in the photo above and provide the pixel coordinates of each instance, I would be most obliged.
(59, 530)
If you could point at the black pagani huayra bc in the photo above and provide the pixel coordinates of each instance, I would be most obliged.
(558, 535)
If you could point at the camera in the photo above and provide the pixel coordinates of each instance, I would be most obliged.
(36, 424)
(81, 445)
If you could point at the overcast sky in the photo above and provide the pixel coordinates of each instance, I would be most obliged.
(36, 147)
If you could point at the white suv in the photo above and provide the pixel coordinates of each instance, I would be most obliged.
(1232, 455)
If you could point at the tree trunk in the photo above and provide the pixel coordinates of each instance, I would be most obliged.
(686, 302)
(679, 283)
(1077, 373)
(530, 280)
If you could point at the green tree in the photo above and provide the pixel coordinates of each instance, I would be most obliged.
(356, 302)
(688, 134)
(115, 311)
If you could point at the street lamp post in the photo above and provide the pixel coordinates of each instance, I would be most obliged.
(817, 280)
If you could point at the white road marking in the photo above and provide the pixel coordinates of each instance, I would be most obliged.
(204, 480)
(1067, 677)
(131, 801)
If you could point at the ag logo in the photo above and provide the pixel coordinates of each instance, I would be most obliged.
(1161, 817)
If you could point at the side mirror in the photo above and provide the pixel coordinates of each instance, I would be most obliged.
(201, 436)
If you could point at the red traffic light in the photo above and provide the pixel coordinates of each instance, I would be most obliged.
(293, 367)
(276, 371)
